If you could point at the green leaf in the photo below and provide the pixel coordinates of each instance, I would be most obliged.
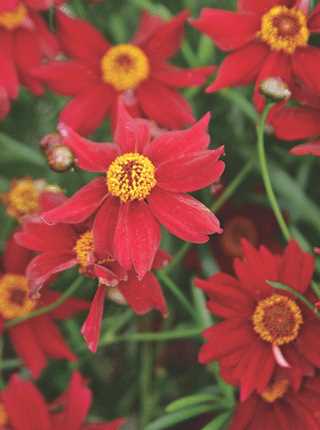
(218, 421)
(189, 401)
(12, 150)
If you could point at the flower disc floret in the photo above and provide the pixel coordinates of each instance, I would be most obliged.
(124, 67)
(14, 296)
(284, 29)
(277, 319)
(84, 248)
(13, 19)
(131, 177)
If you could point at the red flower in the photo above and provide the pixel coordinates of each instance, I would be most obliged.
(300, 122)
(28, 196)
(24, 41)
(38, 338)
(263, 329)
(24, 408)
(98, 73)
(145, 183)
(279, 407)
(268, 38)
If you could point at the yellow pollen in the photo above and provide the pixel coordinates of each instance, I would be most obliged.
(277, 319)
(125, 67)
(14, 296)
(131, 176)
(284, 29)
(275, 391)
(14, 18)
(3, 415)
(84, 249)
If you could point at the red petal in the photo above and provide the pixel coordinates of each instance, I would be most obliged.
(229, 30)
(306, 65)
(237, 70)
(51, 199)
(164, 105)
(46, 39)
(66, 310)
(177, 77)
(260, 6)
(26, 344)
(167, 38)
(161, 259)
(111, 425)
(15, 257)
(25, 406)
(314, 20)
(148, 24)
(67, 78)
(191, 172)
(145, 295)
(90, 156)
(121, 246)
(97, 100)
(312, 148)
(79, 39)
(104, 226)
(170, 145)
(183, 216)
(80, 206)
(8, 74)
(90, 329)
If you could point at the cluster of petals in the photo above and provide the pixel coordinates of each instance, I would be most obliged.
(149, 86)
(25, 41)
(126, 226)
(265, 38)
(263, 331)
(23, 407)
(38, 338)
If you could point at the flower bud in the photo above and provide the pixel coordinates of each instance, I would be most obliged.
(50, 140)
(60, 158)
(275, 88)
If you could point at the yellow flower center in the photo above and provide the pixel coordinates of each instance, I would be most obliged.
(84, 249)
(125, 67)
(277, 319)
(284, 29)
(131, 176)
(275, 391)
(13, 18)
(14, 296)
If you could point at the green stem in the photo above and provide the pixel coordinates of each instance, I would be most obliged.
(155, 337)
(241, 101)
(266, 175)
(45, 309)
(228, 192)
(168, 282)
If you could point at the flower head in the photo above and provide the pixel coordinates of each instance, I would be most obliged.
(274, 35)
(138, 72)
(263, 330)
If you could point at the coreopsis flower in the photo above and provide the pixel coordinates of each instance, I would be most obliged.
(144, 184)
(263, 329)
(97, 74)
(274, 35)
(28, 196)
(299, 122)
(25, 41)
(37, 339)
(62, 246)
(23, 407)
(280, 407)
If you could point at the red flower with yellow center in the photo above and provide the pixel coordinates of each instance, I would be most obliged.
(23, 407)
(144, 185)
(137, 71)
(280, 407)
(273, 34)
(24, 41)
(263, 331)
(36, 339)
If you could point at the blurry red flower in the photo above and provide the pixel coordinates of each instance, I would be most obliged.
(28, 196)
(299, 122)
(98, 73)
(38, 338)
(273, 34)
(263, 329)
(144, 184)
(280, 407)
(24, 408)
(62, 246)
(24, 41)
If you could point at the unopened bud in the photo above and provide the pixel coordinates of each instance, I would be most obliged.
(275, 88)
(60, 158)
(50, 140)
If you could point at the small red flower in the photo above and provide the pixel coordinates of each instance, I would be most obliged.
(98, 73)
(268, 38)
(280, 407)
(263, 329)
(299, 122)
(24, 41)
(23, 407)
(144, 184)
(38, 338)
